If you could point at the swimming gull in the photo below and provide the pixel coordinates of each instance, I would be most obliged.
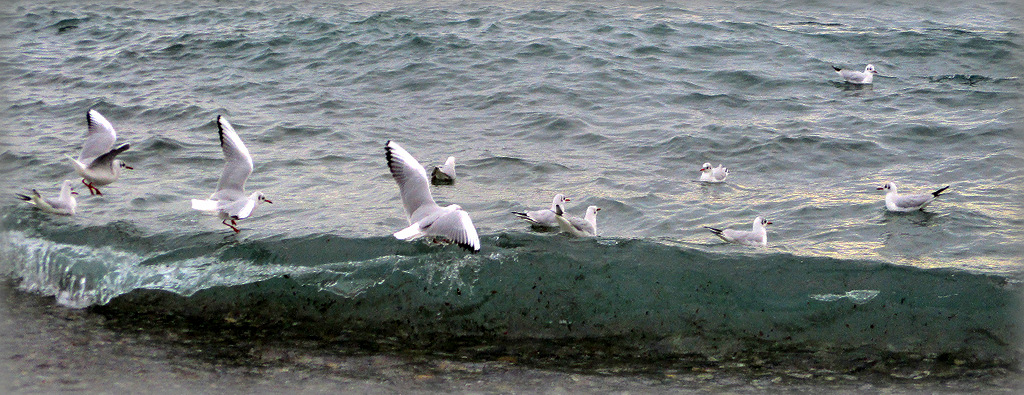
(64, 204)
(544, 217)
(754, 237)
(901, 204)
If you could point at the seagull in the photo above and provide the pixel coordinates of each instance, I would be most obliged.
(444, 174)
(64, 205)
(545, 217)
(755, 237)
(718, 174)
(426, 218)
(576, 226)
(230, 202)
(96, 163)
(901, 204)
(857, 77)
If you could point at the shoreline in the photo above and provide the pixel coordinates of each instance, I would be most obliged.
(48, 348)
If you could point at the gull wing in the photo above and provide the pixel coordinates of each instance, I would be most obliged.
(238, 162)
(457, 227)
(107, 160)
(411, 179)
(853, 76)
(912, 201)
(99, 138)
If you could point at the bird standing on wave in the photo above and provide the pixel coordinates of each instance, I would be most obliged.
(230, 202)
(97, 164)
(905, 203)
(426, 218)
(757, 236)
(857, 77)
(64, 204)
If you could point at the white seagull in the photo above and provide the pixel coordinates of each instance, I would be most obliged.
(545, 217)
(63, 205)
(708, 174)
(857, 77)
(230, 202)
(901, 204)
(444, 174)
(754, 237)
(426, 218)
(576, 226)
(96, 163)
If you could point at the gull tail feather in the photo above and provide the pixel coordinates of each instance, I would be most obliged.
(204, 205)
(939, 192)
(23, 197)
(412, 232)
(836, 68)
(717, 232)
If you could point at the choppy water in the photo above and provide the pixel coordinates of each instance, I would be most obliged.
(614, 105)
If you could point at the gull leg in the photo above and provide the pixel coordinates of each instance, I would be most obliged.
(92, 188)
(225, 222)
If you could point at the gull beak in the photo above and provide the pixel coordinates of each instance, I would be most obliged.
(74, 193)
(880, 188)
(268, 201)
(768, 223)
(567, 199)
(598, 209)
(129, 167)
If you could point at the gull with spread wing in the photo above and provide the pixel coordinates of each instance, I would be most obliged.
(426, 218)
(230, 202)
(97, 164)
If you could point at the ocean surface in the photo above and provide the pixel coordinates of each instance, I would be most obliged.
(614, 105)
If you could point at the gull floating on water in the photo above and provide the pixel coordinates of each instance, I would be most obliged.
(444, 174)
(96, 163)
(576, 226)
(545, 217)
(754, 237)
(64, 205)
(708, 174)
(857, 77)
(230, 202)
(901, 204)
(426, 218)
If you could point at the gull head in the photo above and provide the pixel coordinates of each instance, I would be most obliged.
(889, 186)
(261, 198)
(870, 69)
(118, 164)
(761, 222)
(67, 184)
(705, 167)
